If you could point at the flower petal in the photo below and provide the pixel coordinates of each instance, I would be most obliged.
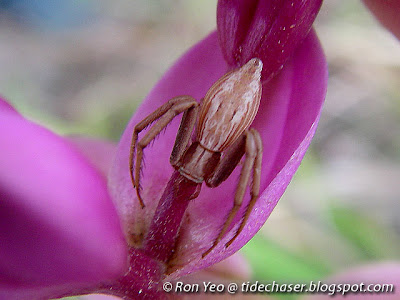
(193, 74)
(58, 225)
(5, 106)
(234, 268)
(270, 30)
(98, 297)
(287, 120)
(99, 152)
(387, 12)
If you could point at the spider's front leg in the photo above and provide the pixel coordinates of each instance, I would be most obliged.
(162, 116)
(249, 144)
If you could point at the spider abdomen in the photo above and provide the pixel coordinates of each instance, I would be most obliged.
(230, 106)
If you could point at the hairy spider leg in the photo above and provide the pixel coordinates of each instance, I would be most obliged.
(251, 146)
(183, 137)
(255, 185)
(163, 115)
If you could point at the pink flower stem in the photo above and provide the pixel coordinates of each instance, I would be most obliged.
(149, 263)
(164, 228)
(141, 282)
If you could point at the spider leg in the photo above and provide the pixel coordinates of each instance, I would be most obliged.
(189, 120)
(255, 185)
(251, 145)
(143, 124)
(228, 163)
(162, 116)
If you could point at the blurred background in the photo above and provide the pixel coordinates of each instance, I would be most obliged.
(82, 67)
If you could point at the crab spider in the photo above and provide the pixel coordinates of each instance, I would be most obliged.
(221, 120)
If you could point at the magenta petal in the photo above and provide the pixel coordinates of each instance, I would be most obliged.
(234, 267)
(5, 106)
(58, 225)
(387, 12)
(99, 152)
(193, 74)
(286, 120)
(98, 297)
(270, 30)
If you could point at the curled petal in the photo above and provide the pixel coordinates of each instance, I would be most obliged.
(193, 75)
(387, 12)
(58, 226)
(287, 120)
(270, 30)
(234, 268)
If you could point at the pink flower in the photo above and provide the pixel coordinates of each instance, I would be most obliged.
(61, 228)
(271, 30)
(387, 12)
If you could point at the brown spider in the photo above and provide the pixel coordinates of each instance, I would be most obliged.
(222, 120)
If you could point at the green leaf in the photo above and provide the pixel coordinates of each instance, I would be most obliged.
(269, 261)
(371, 240)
